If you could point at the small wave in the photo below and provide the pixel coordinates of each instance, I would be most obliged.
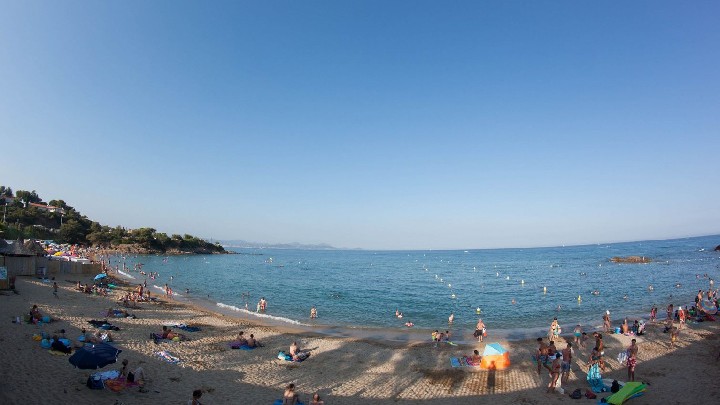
(130, 276)
(260, 315)
(163, 290)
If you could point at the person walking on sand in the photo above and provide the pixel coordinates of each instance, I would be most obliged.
(195, 398)
(55, 288)
(554, 332)
(632, 360)
(670, 309)
(554, 373)
(577, 333)
(566, 359)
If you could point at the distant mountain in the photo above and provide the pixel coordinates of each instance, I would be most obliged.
(261, 245)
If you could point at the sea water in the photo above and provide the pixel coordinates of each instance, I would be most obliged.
(517, 291)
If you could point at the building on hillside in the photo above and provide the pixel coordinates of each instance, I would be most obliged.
(48, 208)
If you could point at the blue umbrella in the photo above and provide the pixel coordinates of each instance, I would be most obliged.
(101, 275)
(94, 356)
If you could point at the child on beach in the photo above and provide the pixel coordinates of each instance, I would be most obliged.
(577, 333)
(653, 314)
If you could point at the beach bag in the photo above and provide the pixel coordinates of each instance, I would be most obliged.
(615, 386)
(95, 383)
(577, 394)
(590, 395)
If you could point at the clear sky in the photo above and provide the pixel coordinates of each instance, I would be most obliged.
(373, 124)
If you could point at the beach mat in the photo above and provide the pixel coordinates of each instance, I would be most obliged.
(629, 390)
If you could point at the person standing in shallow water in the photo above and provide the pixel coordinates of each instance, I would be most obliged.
(313, 312)
(606, 322)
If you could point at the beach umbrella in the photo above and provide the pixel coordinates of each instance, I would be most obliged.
(100, 276)
(94, 356)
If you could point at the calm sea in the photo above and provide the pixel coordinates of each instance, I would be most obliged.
(360, 290)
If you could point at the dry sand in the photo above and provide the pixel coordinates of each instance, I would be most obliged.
(343, 371)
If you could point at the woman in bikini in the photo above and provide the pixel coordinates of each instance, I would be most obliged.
(554, 373)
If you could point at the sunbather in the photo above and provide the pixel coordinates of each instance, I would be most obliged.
(137, 376)
(251, 342)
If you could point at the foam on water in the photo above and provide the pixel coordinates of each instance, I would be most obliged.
(130, 276)
(261, 315)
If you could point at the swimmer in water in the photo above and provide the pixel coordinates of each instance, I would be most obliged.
(451, 318)
(596, 292)
(650, 287)
(513, 301)
(625, 297)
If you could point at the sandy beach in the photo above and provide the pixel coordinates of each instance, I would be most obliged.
(342, 370)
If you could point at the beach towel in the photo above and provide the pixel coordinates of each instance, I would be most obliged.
(167, 356)
(119, 384)
(595, 379)
(280, 402)
(238, 345)
(463, 361)
(106, 375)
(629, 390)
(189, 328)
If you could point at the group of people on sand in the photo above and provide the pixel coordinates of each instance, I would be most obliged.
(250, 341)
(558, 363)
(290, 397)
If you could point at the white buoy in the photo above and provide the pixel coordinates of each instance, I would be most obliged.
(579, 298)
(507, 278)
(497, 274)
(544, 290)
(449, 285)
(522, 281)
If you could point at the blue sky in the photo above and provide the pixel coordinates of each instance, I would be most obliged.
(382, 125)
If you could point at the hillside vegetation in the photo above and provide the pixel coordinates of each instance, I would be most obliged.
(26, 216)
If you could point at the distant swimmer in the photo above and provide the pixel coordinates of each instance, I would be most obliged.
(313, 312)
(452, 296)
(544, 290)
(507, 278)
(596, 292)
(397, 312)
(678, 285)
(513, 301)
(409, 324)
(651, 288)
(522, 281)
(625, 297)
(579, 299)
(497, 274)
(451, 318)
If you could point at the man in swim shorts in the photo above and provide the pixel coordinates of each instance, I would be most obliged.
(566, 358)
(577, 333)
(542, 355)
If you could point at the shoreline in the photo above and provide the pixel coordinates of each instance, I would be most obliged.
(379, 333)
(345, 370)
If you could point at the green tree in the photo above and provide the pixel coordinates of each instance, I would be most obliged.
(71, 232)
